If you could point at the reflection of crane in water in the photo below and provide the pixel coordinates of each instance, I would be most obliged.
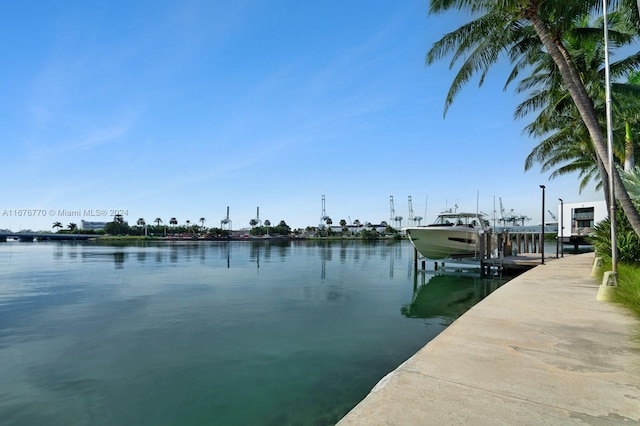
(255, 252)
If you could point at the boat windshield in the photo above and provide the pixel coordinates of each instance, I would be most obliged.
(459, 220)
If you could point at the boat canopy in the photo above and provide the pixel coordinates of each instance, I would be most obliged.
(451, 218)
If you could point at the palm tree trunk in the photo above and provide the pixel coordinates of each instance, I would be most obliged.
(583, 102)
(629, 154)
(605, 181)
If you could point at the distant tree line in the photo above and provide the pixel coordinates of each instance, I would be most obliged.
(118, 226)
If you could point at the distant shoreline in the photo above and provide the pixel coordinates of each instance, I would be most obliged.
(251, 238)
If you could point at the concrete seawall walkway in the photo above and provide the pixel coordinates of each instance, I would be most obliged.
(539, 350)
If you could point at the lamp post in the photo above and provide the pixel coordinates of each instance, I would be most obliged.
(610, 278)
(561, 227)
(612, 196)
(542, 236)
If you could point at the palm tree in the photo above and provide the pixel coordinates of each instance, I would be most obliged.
(158, 221)
(630, 120)
(357, 224)
(118, 218)
(518, 27)
(142, 223)
(72, 227)
(570, 146)
(267, 224)
(202, 221)
(57, 225)
(173, 221)
(253, 223)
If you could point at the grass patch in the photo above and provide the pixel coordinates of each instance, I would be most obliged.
(628, 291)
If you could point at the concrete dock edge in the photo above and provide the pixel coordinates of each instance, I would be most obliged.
(539, 350)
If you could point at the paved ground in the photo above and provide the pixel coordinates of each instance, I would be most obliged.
(539, 351)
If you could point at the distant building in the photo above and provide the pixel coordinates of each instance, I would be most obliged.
(95, 226)
(577, 219)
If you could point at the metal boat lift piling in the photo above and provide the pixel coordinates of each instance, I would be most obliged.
(516, 252)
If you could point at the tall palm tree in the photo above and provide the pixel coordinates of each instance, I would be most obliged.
(158, 221)
(142, 223)
(72, 227)
(267, 224)
(631, 123)
(57, 225)
(202, 221)
(571, 145)
(517, 27)
(173, 221)
(569, 148)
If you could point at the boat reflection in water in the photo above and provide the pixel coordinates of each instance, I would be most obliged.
(447, 295)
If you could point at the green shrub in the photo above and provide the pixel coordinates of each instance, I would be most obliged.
(628, 243)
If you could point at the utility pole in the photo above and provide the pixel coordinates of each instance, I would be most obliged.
(542, 237)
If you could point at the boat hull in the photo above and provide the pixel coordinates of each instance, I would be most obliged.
(436, 243)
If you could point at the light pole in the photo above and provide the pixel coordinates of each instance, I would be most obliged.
(542, 237)
(561, 227)
(610, 278)
(612, 196)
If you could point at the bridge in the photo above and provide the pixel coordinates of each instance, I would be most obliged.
(43, 236)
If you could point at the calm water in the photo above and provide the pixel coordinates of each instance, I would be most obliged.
(210, 333)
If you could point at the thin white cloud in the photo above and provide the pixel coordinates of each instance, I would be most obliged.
(102, 136)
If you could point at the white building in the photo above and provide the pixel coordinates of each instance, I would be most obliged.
(577, 219)
(96, 226)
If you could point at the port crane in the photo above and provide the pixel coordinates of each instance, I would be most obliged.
(413, 219)
(226, 222)
(323, 216)
(511, 218)
(393, 217)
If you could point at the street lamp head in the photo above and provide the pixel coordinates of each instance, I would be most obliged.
(542, 186)
(560, 199)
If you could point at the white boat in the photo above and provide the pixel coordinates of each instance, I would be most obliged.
(452, 235)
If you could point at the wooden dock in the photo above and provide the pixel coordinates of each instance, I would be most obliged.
(511, 265)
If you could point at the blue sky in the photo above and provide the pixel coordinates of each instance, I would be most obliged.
(180, 109)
